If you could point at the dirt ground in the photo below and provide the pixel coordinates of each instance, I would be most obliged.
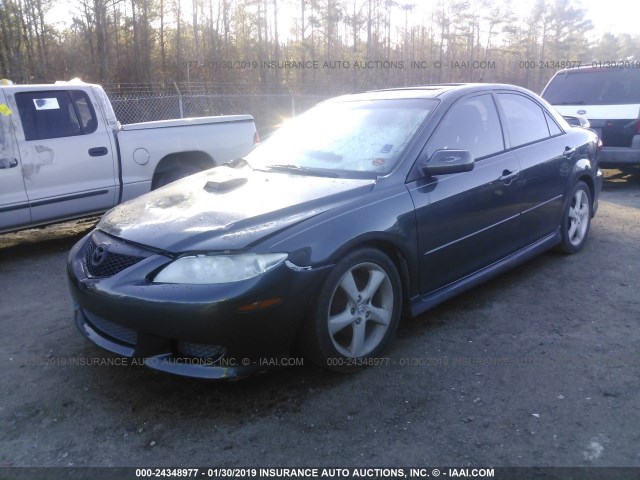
(538, 367)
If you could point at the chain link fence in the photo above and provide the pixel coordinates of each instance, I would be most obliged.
(133, 105)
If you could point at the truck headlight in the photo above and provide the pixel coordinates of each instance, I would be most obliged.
(204, 269)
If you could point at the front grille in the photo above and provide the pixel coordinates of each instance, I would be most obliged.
(113, 330)
(200, 350)
(107, 262)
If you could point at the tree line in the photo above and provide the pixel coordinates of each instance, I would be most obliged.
(300, 46)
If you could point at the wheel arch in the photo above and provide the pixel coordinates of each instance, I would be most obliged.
(395, 252)
(566, 244)
(590, 185)
(196, 158)
(313, 340)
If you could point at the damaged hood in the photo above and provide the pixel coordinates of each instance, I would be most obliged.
(226, 208)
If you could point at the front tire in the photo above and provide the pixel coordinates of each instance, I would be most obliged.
(576, 219)
(356, 313)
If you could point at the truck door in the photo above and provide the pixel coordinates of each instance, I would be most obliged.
(14, 205)
(67, 155)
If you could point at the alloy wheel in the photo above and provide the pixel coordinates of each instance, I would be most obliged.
(578, 217)
(360, 310)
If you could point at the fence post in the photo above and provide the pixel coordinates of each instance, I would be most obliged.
(179, 100)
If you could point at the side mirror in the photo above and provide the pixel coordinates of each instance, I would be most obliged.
(444, 162)
(577, 121)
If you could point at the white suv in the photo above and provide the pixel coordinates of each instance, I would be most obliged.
(610, 99)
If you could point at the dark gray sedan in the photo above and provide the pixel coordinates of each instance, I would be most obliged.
(364, 207)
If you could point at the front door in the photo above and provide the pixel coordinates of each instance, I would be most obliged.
(67, 157)
(467, 221)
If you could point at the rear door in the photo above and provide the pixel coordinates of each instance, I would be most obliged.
(546, 162)
(467, 221)
(68, 163)
(14, 205)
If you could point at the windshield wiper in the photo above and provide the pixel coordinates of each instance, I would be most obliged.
(297, 169)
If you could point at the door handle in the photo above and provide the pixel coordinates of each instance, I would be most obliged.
(508, 176)
(8, 162)
(98, 151)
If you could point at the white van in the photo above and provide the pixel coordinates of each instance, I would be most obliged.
(610, 99)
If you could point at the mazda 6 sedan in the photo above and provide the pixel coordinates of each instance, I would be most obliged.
(362, 209)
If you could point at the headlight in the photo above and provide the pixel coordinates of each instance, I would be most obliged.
(203, 269)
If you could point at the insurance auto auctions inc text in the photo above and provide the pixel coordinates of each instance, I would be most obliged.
(357, 65)
(375, 472)
(374, 64)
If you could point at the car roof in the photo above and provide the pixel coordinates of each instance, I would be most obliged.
(441, 90)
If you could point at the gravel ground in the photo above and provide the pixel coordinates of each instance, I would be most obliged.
(538, 367)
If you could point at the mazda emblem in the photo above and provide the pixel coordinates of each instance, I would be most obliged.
(99, 255)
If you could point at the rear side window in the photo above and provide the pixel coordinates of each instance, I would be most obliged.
(611, 86)
(554, 129)
(525, 119)
(54, 114)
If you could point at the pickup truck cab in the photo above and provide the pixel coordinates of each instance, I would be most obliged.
(609, 98)
(64, 155)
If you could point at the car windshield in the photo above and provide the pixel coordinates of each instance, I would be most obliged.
(344, 138)
(595, 87)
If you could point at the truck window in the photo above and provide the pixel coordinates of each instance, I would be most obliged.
(616, 86)
(55, 114)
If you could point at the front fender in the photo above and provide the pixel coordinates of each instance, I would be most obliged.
(382, 218)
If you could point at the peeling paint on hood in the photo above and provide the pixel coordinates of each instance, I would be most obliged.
(226, 208)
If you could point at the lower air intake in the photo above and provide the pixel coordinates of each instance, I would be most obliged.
(201, 350)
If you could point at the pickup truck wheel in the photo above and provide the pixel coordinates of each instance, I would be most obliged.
(576, 219)
(174, 174)
(356, 313)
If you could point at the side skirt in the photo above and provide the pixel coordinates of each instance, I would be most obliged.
(421, 304)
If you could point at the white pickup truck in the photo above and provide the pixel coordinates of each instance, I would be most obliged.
(64, 155)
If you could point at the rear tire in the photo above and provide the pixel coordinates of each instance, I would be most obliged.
(356, 313)
(576, 219)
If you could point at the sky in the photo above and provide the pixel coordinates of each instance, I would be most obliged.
(615, 15)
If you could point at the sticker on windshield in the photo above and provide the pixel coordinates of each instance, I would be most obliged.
(379, 162)
(386, 149)
(46, 103)
(5, 111)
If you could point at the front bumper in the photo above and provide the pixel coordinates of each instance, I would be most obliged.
(204, 331)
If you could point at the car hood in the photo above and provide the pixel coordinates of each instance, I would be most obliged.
(226, 208)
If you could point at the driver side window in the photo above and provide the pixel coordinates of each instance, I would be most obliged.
(471, 124)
